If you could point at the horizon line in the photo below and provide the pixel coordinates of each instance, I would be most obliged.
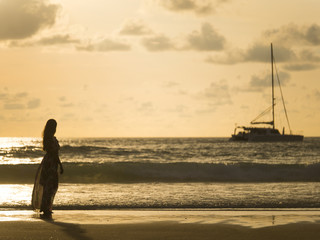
(134, 137)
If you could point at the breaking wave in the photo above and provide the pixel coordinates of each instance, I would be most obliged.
(133, 172)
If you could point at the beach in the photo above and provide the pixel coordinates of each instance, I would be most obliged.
(162, 224)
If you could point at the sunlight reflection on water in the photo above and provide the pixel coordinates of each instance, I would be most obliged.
(170, 195)
(15, 194)
(15, 150)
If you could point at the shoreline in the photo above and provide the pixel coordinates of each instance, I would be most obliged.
(160, 209)
(252, 218)
(159, 224)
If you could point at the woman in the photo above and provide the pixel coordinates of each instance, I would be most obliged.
(46, 181)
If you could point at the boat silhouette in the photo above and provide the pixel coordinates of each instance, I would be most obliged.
(266, 134)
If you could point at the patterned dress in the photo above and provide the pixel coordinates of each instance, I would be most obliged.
(46, 180)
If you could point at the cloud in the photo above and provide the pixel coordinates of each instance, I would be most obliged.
(33, 103)
(21, 95)
(58, 39)
(67, 105)
(206, 40)
(19, 101)
(199, 7)
(170, 84)
(259, 83)
(47, 41)
(3, 95)
(257, 53)
(313, 34)
(105, 45)
(301, 67)
(6, 94)
(64, 103)
(261, 53)
(307, 55)
(228, 58)
(293, 34)
(68, 117)
(178, 109)
(158, 43)
(217, 93)
(146, 108)
(20, 19)
(62, 98)
(14, 106)
(317, 94)
(287, 36)
(135, 27)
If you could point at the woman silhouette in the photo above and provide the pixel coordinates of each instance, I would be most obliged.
(46, 181)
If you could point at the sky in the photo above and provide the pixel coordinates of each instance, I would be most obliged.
(156, 68)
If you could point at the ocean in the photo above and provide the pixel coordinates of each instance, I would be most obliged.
(166, 173)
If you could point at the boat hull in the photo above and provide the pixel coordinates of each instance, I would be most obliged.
(267, 138)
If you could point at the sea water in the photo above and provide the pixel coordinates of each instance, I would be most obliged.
(122, 173)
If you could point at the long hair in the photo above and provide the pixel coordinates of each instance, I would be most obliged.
(48, 133)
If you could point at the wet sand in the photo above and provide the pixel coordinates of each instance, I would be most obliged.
(153, 224)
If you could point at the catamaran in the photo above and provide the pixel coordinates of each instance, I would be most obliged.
(266, 134)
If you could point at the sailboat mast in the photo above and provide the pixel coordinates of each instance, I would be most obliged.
(272, 77)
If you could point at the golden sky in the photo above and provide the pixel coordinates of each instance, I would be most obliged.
(156, 68)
